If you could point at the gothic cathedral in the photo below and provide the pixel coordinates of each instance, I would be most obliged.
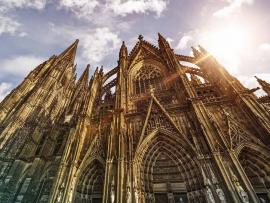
(158, 128)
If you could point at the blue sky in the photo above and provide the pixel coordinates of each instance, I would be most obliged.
(235, 31)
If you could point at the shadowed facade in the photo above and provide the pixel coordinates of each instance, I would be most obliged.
(158, 128)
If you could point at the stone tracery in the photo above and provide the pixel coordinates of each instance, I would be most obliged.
(153, 129)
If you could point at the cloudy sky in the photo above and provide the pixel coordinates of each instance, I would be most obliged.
(235, 31)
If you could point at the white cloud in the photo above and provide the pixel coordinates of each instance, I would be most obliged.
(81, 8)
(8, 25)
(183, 42)
(112, 8)
(234, 6)
(170, 40)
(125, 7)
(99, 43)
(20, 66)
(5, 88)
(95, 44)
(11, 4)
(11, 25)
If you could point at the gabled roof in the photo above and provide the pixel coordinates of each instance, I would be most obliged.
(143, 46)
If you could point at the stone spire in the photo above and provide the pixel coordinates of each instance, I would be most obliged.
(167, 53)
(70, 52)
(123, 51)
(265, 85)
(80, 93)
(203, 50)
(63, 69)
(162, 42)
(85, 75)
(196, 52)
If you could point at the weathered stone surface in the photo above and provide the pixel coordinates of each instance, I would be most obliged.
(149, 130)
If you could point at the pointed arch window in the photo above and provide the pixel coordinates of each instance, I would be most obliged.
(146, 77)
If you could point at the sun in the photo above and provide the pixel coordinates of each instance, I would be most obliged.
(227, 44)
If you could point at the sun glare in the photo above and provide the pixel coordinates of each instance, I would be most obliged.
(227, 45)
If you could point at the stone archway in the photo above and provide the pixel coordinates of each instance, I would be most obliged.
(89, 188)
(178, 182)
(255, 161)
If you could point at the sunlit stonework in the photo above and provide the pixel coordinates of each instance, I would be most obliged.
(160, 127)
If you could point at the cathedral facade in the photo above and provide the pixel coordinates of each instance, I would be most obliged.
(159, 127)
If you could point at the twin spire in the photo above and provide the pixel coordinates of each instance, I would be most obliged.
(70, 54)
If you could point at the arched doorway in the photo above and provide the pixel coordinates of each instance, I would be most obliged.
(165, 171)
(90, 183)
(256, 162)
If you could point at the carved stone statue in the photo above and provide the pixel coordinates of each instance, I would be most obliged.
(220, 194)
(112, 194)
(152, 198)
(181, 200)
(170, 198)
(128, 195)
(136, 196)
(242, 193)
(209, 195)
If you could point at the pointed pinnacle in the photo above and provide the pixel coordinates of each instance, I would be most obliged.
(70, 51)
(160, 37)
(257, 78)
(203, 50)
(265, 85)
(85, 74)
(96, 71)
(140, 37)
(162, 41)
(260, 81)
(195, 52)
(123, 50)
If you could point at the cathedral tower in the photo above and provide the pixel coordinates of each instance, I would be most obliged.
(159, 127)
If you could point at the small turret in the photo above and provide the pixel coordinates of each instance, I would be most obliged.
(265, 85)
(85, 75)
(123, 51)
(196, 52)
(203, 50)
(140, 37)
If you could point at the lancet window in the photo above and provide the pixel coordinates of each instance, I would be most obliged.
(146, 77)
